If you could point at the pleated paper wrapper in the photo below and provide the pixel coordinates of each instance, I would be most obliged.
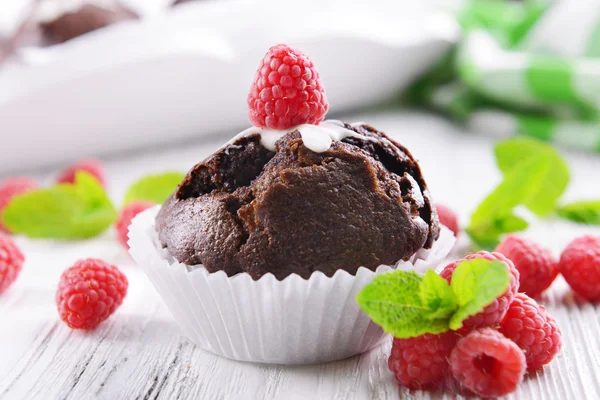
(293, 321)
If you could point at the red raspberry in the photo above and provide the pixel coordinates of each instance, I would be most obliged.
(529, 325)
(580, 266)
(91, 166)
(11, 262)
(10, 188)
(127, 214)
(286, 91)
(487, 363)
(422, 362)
(89, 292)
(537, 267)
(448, 218)
(493, 313)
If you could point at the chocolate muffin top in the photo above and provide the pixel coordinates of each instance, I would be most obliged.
(302, 204)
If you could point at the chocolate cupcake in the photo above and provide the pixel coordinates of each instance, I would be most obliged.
(263, 247)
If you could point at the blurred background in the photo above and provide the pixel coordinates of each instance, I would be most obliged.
(83, 78)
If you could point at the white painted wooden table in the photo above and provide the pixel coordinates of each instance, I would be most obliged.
(139, 353)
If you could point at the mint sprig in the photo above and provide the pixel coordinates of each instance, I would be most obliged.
(155, 188)
(393, 301)
(407, 304)
(585, 212)
(65, 211)
(535, 175)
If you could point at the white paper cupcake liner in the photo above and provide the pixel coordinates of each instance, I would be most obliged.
(293, 321)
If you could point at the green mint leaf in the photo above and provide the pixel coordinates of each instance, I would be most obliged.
(476, 284)
(437, 296)
(512, 152)
(393, 301)
(535, 176)
(154, 188)
(549, 179)
(407, 304)
(585, 212)
(65, 211)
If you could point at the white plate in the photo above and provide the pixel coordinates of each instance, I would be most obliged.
(186, 72)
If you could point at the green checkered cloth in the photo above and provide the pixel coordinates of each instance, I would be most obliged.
(529, 68)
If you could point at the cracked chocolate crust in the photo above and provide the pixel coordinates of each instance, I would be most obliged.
(363, 202)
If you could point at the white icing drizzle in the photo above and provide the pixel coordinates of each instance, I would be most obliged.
(317, 138)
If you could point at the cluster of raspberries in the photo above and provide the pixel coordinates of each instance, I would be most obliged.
(89, 291)
(491, 353)
(493, 350)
